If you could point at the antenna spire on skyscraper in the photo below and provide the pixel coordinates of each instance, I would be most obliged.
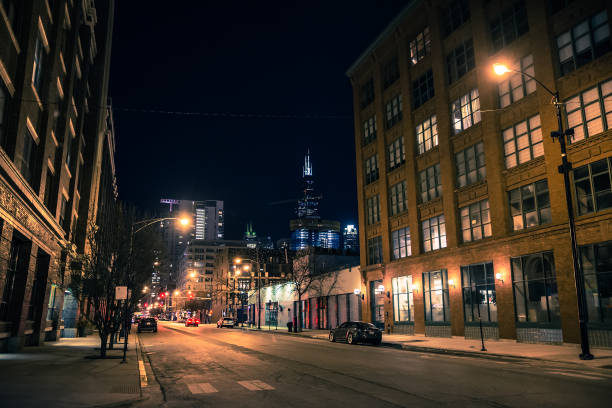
(307, 169)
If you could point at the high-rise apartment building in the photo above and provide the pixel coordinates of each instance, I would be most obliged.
(207, 224)
(462, 208)
(56, 154)
(350, 239)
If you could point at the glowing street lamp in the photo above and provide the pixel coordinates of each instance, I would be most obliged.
(500, 69)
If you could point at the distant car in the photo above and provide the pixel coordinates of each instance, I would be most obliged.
(192, 321)
(147, 324)
(226, 322)
(356, 332)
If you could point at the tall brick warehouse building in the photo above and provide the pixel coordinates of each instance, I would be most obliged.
(56, 156)
(462, 210)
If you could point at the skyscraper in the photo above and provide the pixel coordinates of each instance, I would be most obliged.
(350, 239)
(308, 229)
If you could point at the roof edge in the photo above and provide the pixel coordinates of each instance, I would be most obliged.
(387, 30)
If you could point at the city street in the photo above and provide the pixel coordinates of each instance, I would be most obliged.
(206, 366)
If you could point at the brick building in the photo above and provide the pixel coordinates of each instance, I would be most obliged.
(462, 210)
(56, 156)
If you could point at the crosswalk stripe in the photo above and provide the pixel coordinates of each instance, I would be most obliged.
(255, 385)
(588, 377)
(201, 388)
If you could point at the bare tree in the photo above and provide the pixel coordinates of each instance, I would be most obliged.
(302, 278)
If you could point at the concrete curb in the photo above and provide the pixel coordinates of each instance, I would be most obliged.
(430, 350)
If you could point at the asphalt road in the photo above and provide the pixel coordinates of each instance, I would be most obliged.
(210, 367)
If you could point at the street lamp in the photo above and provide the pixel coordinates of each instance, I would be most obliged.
(565, 168)
(246, 268)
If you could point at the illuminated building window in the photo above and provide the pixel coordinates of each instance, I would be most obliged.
(371, 169)
(420, 46)
(369, 130)
(530, 205)
(475, 221)
(400, 243)
(465, 111)
(479, 298)
(396, 153)
(596, 262)
(403, 301)
(434, 233)
(590, 112)
(516, 86)
(427, 134)
(523, 142)
(435, 296)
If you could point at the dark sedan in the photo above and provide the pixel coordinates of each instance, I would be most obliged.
(356, 332)
(147, 324)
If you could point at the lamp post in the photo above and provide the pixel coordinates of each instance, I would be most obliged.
(565, 169)
(238, 261)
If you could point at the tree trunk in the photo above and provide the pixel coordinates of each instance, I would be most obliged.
(299, 318)
(103, 340)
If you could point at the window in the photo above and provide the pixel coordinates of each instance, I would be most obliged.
(371, 169)
(479, 300)
(536, 299)
(396, 152)
(398, 201)
(431, 185)
(475, 221)
(427, 134)
(10, 10)
(48, 188)
(422, 89)
(584, 42)
(453, 16)
(470, 164)
(510, 25)
(435, 296)
(530, 205)
(390, 72)
(393, 111)
(38, 64)
(374, 250)
(460, 61)
(369, 130)
(4, 104)
(523, 142)
(62, 214)
(420, 46)
(554, 6)
(596, 261)
(28, 156)
(373, 209)
(366, 95)
(400, 240)
(516, 86)
(466, 111)
(590, 112)
(403, 301)
(434, 233)
(593, 184)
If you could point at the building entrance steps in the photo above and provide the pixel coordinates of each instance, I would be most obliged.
(68, 373)
(566, 353)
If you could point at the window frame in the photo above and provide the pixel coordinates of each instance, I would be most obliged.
(427, 298)
(398, 200)
(593, 195)
(423, 89)
(393, 111)
(533, 128)
(374, 250)
(604, 115)
(525, 83)
(371, 169)
(466, 102)
(503, 27)
(460, 61)
(471, 288)
(420, 46)
(428, 176)
(476, 210)
(537, 208)
(396, 243)
(463, 167)
(434, 233)
(396, 153)
(593, 275)
(373, 209)
(409, 296)
(369, 130)
(427, 134)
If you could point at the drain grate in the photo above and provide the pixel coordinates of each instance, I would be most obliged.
(126, 389)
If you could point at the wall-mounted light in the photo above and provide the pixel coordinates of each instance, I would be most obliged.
(451, 282)
(499, 277)
(415, 287)
(357, 291)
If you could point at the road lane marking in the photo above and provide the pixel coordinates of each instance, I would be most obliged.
(201, 388)
(587, 377)
(255, 385)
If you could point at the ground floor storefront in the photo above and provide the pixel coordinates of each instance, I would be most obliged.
(32, 266)
(521, 289)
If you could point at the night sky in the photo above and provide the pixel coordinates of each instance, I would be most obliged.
(268, 59)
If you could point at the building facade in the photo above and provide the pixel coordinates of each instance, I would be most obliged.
(350, 239)
(56, 157)
(462, 208)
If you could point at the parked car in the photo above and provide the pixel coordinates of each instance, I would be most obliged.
(192, 321)
(147, 324)
(356, 332)
(226, 322)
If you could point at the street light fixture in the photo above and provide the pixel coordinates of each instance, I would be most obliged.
(246, 269)
(565, 168)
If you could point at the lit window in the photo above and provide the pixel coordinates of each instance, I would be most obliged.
(427, 134)
(523, 142)
(396, 153)
(420, 46)
(403, 301)
(434, 233)
(517, 86)
(530, 205)
(466, 111)
(369, 130)
(590, 112)
(400, 240)
(436, 297)
(475, 221)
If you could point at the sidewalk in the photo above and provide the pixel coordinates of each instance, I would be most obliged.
(566, 353)
(64, 374)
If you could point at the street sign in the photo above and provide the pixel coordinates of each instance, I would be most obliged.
(121, 292)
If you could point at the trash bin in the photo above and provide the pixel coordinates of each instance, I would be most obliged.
(289, 326)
